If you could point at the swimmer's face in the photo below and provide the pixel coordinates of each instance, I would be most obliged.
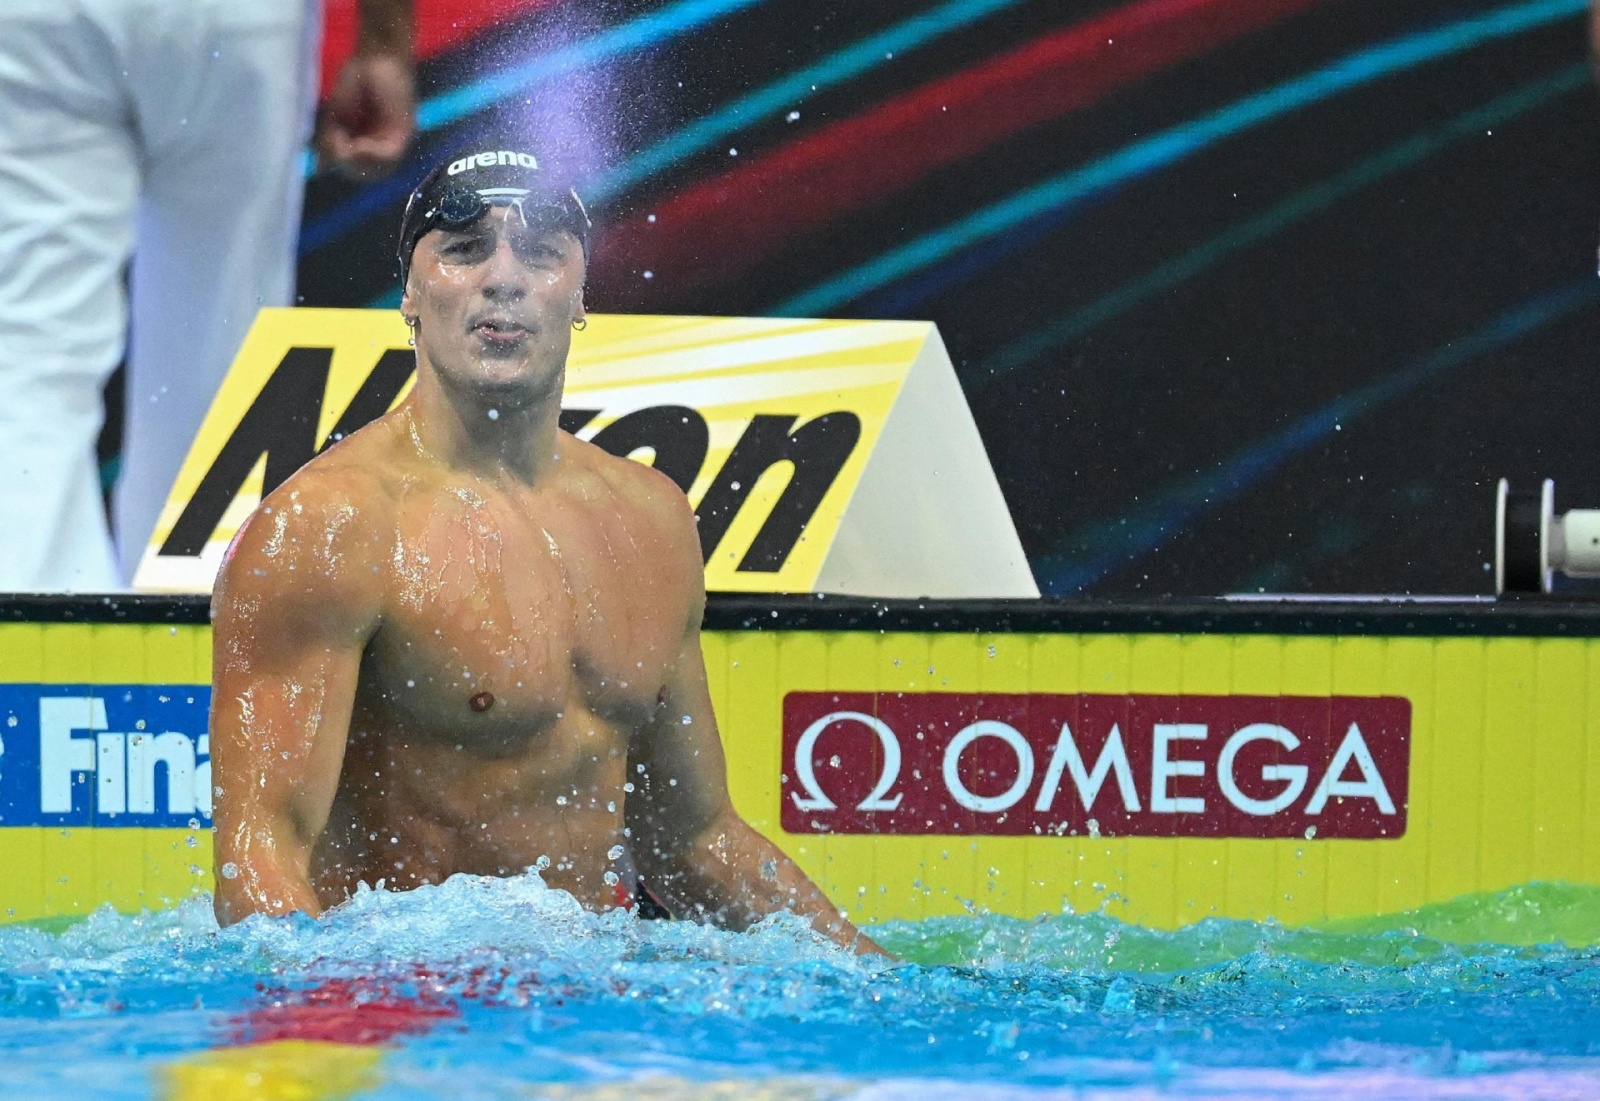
(495, 302)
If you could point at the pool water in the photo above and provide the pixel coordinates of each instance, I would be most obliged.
(503, 988)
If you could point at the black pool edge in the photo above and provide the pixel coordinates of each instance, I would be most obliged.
(1541, 617)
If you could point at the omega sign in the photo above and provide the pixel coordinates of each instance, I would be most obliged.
(1098, 765)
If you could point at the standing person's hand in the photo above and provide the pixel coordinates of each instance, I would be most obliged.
(371, 114)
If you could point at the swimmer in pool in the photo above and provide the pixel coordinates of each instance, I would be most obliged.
(462, 640)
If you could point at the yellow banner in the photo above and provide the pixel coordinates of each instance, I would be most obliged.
(769, 425)
(1493, 784)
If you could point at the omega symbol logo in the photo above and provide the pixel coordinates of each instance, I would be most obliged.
(805, 764)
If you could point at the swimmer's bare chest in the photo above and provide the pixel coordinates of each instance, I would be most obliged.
(522, 645)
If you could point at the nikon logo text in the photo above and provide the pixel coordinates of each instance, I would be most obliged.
(1097, 765)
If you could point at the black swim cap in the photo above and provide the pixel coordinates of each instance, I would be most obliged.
(459, 192)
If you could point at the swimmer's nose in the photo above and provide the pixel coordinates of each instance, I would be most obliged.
(505, 276)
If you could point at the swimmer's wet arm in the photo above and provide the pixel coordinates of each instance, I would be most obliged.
(292, 612)
(690, 845)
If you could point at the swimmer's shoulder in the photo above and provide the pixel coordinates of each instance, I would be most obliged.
(644, 491)
(328, 529)
(654, 506)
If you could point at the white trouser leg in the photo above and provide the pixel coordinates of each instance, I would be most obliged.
(68, 178)
(224, 107)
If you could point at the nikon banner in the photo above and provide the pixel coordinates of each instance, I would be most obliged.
(820, 456)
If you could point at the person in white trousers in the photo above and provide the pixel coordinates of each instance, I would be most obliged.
(169, 133)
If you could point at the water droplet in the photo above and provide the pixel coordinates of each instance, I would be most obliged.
(612, 879)
(614, 852)
(493, 414)
(792, 116)
(649, 275)
(230, 870)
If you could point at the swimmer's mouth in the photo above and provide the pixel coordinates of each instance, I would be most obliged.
(499, 328)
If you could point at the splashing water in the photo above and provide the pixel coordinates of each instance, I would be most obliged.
(487, 988)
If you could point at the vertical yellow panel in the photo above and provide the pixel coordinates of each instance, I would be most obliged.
(848, 860)
(116, 656)
(953, 667)
(1457, 782)
(1055, 665)
(69, 883)
(173, 654)
(1301, 868)
(119, 866)
(1004, 667)
(1201, 872)
(1255, 669)
(1402, 865)
(1354, 866)
(68, 653)
(1589, 766)
(910, 869)
(22, 882)
(1505, 810)
(750, 722)
(1054, 863)
(1152, 875)
(1560, 688)
(1109, 872)
(22, 653)
(178, 655)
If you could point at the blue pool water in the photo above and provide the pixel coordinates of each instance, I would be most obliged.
(535, 998)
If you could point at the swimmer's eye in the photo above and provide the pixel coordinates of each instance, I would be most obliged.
(464, 247)
(541, 250)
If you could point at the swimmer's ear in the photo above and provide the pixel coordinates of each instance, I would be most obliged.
(408, 309)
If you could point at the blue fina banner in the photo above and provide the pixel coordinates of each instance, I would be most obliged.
(105, 755)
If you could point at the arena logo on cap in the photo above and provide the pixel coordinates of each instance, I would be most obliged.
(492, 160)
(1101, 765)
